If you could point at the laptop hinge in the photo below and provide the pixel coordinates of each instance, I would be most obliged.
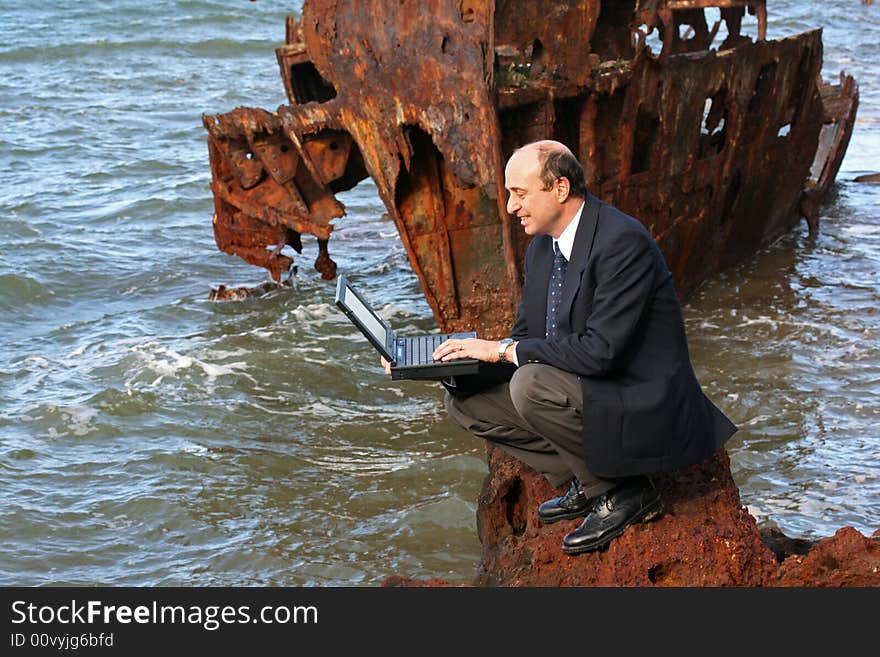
(391, 346)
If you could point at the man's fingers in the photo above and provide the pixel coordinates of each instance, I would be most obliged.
(449, 350)
(441, 351)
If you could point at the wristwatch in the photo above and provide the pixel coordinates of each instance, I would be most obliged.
(502, 349)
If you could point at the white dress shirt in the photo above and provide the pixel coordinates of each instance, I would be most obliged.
(566, 245)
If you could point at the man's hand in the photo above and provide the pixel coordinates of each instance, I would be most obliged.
(455, 348)
(386, 365)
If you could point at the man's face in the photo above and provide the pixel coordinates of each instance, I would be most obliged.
(538, 210)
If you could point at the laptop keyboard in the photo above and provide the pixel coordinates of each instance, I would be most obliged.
(416, 351)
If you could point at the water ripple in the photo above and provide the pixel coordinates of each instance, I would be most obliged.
(151, 437)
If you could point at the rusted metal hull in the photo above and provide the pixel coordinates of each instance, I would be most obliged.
(713, 150)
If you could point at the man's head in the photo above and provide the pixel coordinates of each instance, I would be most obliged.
(546, 186)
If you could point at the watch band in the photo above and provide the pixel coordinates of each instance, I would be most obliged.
(502, 349)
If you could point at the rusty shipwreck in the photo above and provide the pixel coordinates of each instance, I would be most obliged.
(717, 141)
(717, 147)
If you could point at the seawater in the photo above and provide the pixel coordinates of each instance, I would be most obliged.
(151, 437)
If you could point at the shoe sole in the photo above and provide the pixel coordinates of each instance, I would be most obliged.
(648, 513)
(565, 516)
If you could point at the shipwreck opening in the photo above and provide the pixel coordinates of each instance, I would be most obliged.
(713, 128)
(417, 194)
(717, 25)
(536, 56)
(308, 85)
(645, 136)
(525, 123)
(691, 34)
(566, 126)
(649, 36)
(612, 37)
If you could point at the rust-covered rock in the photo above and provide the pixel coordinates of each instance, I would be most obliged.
(224, 293)
(704, 538)
(846, 559)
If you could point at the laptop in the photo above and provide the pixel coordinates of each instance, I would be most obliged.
(410, 358)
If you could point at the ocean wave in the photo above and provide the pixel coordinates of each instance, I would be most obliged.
(101, 48)
(363, 463)
(65, 420)
(125, 403)
(17, 290)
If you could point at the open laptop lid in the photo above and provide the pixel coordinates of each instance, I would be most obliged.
(374, 328)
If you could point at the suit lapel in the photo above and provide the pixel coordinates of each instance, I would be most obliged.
(580, 256)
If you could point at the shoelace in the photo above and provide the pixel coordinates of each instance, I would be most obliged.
(604, 500)
(574, 490)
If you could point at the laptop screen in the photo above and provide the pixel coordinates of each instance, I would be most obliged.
(363, 314)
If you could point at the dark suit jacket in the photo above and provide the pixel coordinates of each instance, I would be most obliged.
(621, 330)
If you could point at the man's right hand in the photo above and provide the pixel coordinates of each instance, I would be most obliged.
(386, 365)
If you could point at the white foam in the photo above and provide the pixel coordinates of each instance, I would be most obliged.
(271, 411)
(76, 421)
(315, 311)
(756, 420)
(862, 229)
(168, 363)
(763, 319)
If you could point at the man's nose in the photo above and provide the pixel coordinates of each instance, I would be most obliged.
(512, 204)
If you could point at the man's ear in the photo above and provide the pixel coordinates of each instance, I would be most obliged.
(563, 189)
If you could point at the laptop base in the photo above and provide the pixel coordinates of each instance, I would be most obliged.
(428, 372)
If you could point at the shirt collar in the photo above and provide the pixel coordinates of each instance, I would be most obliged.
(566, 240)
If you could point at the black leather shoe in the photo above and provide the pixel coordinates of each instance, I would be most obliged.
(612, 513)
(574, 504)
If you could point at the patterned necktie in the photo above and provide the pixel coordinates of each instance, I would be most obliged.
(554, 291)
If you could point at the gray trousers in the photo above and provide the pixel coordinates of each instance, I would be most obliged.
(538, 418)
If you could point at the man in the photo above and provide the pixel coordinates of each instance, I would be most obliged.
(603, 393)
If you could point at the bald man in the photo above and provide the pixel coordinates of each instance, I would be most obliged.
(603, 393)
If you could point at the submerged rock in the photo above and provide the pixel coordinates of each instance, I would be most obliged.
(224, 293)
